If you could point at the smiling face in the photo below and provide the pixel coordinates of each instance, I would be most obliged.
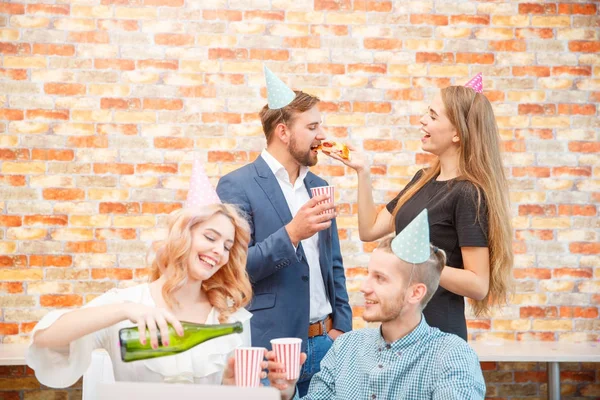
(211, 243)
(439, 135)
(305, 135)
(385, 288)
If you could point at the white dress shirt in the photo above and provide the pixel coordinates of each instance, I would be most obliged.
(296, 196)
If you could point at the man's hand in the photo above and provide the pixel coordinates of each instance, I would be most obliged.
(277, 376)
(310, 219)
(334, 334)
(229, 373)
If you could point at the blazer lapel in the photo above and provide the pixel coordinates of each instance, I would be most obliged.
(268, 182)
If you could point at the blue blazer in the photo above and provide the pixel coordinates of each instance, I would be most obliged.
(280, 274)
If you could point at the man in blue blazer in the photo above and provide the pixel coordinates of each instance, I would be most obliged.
(294, 260)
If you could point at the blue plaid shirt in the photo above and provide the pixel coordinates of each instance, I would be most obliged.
(425, 364)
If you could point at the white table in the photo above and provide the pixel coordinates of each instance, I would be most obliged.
(552, 353)
(12, 354)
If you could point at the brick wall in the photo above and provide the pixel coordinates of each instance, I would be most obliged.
(102, 100)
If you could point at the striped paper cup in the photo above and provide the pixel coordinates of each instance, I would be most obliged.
(287, 352)
(321, 190)
(247, 365)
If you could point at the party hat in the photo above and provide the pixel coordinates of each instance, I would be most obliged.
(201, 191)
(476, 83)
(412, 243)
(278, 94)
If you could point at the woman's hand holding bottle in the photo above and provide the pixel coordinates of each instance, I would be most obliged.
(155, 320)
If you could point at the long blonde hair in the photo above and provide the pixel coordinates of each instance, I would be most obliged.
(229, 288)
(480, 163)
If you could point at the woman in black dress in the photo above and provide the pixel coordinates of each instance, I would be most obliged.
(466, 194)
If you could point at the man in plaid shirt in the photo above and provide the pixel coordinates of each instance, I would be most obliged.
(405, 358)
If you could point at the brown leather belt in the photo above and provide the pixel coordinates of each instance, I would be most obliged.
(321, 327)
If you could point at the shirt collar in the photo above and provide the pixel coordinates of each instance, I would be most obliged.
(279, 170)
(419, 333)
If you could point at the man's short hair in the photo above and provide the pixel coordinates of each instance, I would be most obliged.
(286, 115)
(427, 272)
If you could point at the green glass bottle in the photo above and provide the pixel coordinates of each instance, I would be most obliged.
(194, 334)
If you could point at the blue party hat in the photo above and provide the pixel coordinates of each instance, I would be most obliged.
(412, 243)
(278, 94)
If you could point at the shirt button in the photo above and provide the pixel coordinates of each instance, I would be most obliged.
(387, 346)
(380, 349)
(380, 366)
(373, 396)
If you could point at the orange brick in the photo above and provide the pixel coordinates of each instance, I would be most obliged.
(173, 39)
(508, 45)
(117, 129)
(157, 168)
(159, 208)
(11, 115)
(576, 71)
(88, 141)
(382, 44)
(8, 8)
(54, 49)
(198, 91)
(120, 104)
(221, 117)
(11, 220)
(536, 133)
(49, 9)
(7, 328)
(119, 208)
(367, 68)
(328, 106)
(61, 300)
(112, 273)
(540, 234)
(222, 15)
(48, 114)
(13, 261)
(581, 9)
(333, 5)
(264, 15)
(158, 64)
(470, 19)
(534, 209)
(14, 74)
(38, 220)
(534, 33)
(531, 71)
(118, 25)
(373, 5)
(85, 247)
(113, 168)
(162, 104)
(15, 48)
(531, 376)
(536, 336)
(572, 273)
(227, 54)
(334, 30)
(372, 107)
(164, 3)
(584, 248)
(64, 89)
(538, 172)
(11, 287)
(479, 324)
(514, 146)
(47, 260)
(577, 109)
(116, 234)
(538, 312)
(269, 54)
(97, 37)
(436, 58)
(12, 180)
(404, 94)
(584, 46)
(120, 64)
(534, 8)
(428, 19)
(382, 145)
(27, 327)
(584, 147)
(232, 79)
(537, 273)
(537, 109)
(224, 156)
(63, 194)
(582, 210)
(306, 42)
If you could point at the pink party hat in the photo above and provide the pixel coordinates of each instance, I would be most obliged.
(476, 83)
(201, 191)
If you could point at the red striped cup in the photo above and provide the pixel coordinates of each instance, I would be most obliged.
(321, 190)
(287, 352)
(247, 365)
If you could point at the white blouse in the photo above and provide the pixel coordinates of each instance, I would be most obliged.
(205, 363)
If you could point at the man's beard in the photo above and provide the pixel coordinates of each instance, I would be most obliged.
(389, 312)
(303, 158)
